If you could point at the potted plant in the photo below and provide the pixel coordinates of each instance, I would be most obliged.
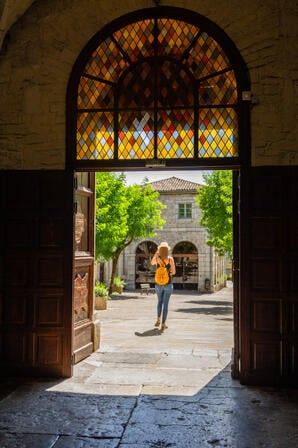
(101, 293)
(118, 285)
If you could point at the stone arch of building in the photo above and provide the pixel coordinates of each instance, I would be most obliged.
(186, 258)
(144, 272)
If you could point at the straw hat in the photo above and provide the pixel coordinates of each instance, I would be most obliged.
(164, 244)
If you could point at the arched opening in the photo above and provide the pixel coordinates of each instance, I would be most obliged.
(159, 88)
(144, 272)
(186, 259)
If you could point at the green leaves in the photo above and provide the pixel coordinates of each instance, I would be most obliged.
(124, 214)
(216, 202)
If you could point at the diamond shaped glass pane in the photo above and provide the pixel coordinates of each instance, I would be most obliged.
(95, 136)
(206, 57)
(137, 88)
(136, 39)
(218, 133)
(175, 86)
(106, 62)
(220, 89)
(175, 136)
(174, 37)
(136, 135)
(93, 94)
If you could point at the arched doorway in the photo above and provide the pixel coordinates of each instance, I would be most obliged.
(144, 271)
(161, 87)
(187, 266)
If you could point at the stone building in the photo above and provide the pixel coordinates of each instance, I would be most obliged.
(198, 267)
(116, 85)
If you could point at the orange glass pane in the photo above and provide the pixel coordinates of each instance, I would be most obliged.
(206, 57)
(220, 89)
(175, 36)
(106, 62)
(136, 39)
(93, 94)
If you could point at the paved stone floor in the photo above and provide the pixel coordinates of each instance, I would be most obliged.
(144, 388)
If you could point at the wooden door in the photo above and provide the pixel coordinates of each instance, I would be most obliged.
(36, 241)
(84, 266)
(269, 276)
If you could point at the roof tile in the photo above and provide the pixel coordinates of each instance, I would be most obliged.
(175, 184)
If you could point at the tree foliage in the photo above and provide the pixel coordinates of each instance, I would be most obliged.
(216, 202)
(123, 214)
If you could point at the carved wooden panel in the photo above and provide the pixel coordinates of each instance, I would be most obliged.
(81, 297)
(84, 266)
(83, 307)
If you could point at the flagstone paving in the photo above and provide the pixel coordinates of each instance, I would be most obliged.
(148, 389)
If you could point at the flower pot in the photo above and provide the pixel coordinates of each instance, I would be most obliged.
(100, 303)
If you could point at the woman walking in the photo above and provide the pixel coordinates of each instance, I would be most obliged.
(165, 268)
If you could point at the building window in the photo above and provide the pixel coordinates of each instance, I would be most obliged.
(185, 211)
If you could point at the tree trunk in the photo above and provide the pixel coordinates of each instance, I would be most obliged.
(114, 267)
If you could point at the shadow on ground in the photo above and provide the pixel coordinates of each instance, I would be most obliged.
(44, 414)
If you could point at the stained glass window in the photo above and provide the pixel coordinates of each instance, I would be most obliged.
(158, 88)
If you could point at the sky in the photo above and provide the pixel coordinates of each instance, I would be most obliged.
(137, 176)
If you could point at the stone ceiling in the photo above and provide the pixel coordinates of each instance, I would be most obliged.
(10, 12)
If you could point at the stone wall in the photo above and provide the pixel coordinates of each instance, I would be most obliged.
(180, 230)
(41, 48)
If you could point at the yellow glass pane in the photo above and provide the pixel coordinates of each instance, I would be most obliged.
(175, 137)
(218, 133)
(136, 136)
(95, 136)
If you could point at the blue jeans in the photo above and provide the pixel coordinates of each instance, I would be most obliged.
(163, 297)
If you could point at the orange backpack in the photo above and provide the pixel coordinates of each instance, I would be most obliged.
(161, 274)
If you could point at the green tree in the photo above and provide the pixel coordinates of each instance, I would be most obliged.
(123, 215)
(215, 201)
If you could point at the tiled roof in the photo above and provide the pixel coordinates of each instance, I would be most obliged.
(174, 184)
